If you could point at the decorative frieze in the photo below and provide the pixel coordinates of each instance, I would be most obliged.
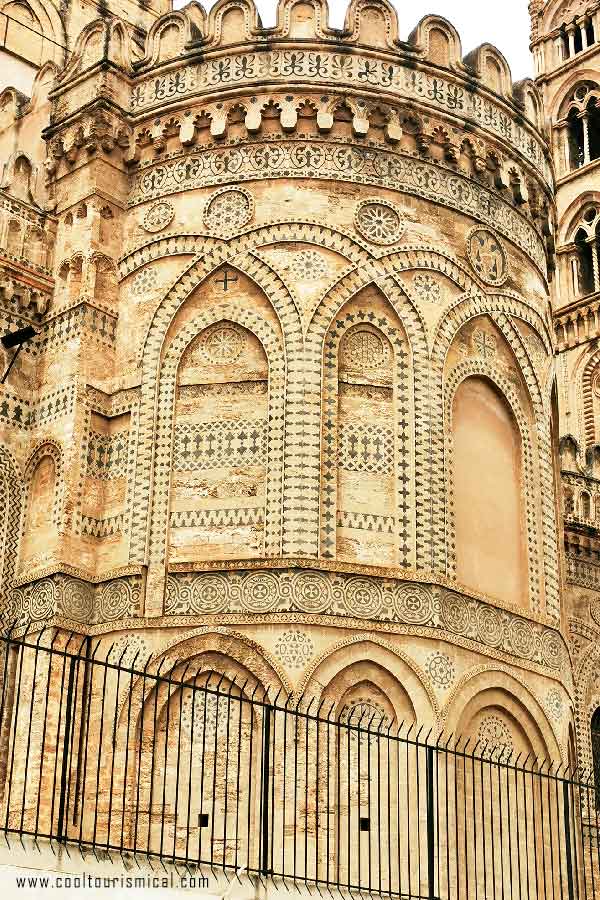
(339, 161)
(78, 600)
(343, 596)
(354, 70)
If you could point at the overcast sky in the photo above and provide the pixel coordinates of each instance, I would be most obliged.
(504, 23)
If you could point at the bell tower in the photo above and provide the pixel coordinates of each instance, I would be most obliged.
(566, 51)
(566, 48)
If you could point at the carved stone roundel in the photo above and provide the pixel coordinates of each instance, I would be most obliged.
(308, 265)
(364, 349)
(363, 598)
(378, 221)
(487, 256)
(228, 210)
(494, 733)
(312, 594)
(158, 216)
(222, 344)
(413, 604)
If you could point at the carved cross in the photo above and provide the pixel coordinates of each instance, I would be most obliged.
(227, 279)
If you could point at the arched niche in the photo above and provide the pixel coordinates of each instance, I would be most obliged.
(487, 473)
(220, 435)
(41, 509)
(367, 463)
(366, 773)
(501, 732)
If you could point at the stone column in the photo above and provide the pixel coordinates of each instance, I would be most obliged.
(571, 37)
(595, 264)
(586, 138)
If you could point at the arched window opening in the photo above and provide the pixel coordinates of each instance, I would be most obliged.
(578, 40)
(583, 124)
(586, 505)
(564, 45)
(590, 34)
(593, 126)
(587, 264)
(569, 504)
(595, 735)
(575, 137)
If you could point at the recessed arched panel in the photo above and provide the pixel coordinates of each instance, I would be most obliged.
(40, 531)
(217, 498)
(488, 509)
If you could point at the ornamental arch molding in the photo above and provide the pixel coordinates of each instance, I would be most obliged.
(317, 353)
(240, 659)
(151, 416)
(403, 421)
(501, 310)
(496, 690)
(252, 239)
(368, 648)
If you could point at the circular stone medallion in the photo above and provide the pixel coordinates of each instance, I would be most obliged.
(363, 598)
(378, 221)
(209, 593)
(158, 216)
(311, 592)
(228, 210)
(222, 344)
(487, 256)
(260, 592)
(413, 604)
(364, 348)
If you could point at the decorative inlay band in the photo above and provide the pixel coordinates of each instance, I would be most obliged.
(381, 599)
(339, 161)
(348, 68)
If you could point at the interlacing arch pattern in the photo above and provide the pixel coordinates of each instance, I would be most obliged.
(403, 437)
(163, 446)
(150, 410)
(483, 368)
(304, 355)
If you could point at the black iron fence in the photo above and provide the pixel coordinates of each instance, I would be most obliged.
(106, 751)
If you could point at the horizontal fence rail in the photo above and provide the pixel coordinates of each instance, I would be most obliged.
(107, 752)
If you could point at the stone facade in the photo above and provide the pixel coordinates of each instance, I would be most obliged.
(297, 294)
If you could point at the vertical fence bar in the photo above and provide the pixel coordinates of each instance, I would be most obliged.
(266, 778)
(568, 844)
(62, 813)
(431, 813)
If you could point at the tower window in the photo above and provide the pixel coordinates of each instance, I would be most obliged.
(589, 30)
(583, 125)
